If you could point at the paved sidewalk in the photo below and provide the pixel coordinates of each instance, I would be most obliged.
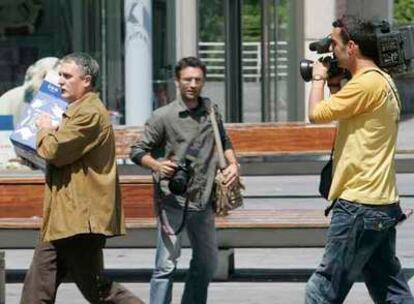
(219, 293)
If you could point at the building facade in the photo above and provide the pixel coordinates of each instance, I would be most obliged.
(254, 76)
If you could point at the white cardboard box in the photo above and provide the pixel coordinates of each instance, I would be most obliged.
(47, 100)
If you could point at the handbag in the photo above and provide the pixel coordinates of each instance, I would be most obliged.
(225, 198)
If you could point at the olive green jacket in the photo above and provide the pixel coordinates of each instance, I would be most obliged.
(82, 192)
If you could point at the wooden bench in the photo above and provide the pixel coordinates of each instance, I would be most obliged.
(262, 148)
(244, 228)
(255, 144)
(255, 138)
(268, 148)
(20, 220)
(273, 229)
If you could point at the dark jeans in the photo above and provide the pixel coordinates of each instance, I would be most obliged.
(360, 241)
(79, 256)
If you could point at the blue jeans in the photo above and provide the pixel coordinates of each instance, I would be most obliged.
(201, 232)
(360, 241)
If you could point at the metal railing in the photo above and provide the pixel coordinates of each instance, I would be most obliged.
(213, 55)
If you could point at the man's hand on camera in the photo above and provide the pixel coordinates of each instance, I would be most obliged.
(319, 72)
(230, 174)
(166, 168)
(334, 83)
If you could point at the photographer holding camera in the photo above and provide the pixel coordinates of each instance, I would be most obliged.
(178, 146)
(365, 201)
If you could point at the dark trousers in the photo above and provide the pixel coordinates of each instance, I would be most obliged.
(79, 256)
(360, 242)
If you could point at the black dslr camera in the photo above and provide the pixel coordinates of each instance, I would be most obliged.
(179, 181)
(321, 47)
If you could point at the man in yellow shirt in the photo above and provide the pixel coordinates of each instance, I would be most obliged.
(361, 236)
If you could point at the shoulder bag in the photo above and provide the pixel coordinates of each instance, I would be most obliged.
(225, 198)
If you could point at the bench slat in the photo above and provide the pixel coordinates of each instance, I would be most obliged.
(250, 218)
(255, 138)
(236, 219)
(23, 197)
(280, 228)
(283, 228)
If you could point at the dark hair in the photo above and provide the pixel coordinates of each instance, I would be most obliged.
(86, 63)
(362, 32)
(189, 62)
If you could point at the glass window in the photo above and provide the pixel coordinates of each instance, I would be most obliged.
(30, 30)
(164, 54)
(211, 49)
(264, 60)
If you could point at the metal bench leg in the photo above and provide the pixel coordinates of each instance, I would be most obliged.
(225, 264)
(2, 279)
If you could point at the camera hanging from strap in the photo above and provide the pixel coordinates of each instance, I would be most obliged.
(165, 224)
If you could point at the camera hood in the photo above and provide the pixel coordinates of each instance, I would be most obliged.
(321, 46)
(305, 68)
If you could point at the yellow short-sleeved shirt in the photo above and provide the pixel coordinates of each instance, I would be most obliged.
(367, 112)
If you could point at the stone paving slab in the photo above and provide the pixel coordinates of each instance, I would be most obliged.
(219, 293)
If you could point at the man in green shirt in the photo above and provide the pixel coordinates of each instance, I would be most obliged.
(180, 135)
(365, 210)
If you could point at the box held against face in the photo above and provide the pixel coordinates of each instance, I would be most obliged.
(47, 100)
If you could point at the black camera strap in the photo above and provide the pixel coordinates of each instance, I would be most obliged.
(390, 84)
(165, 224)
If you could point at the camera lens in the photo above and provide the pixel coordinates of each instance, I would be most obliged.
(178, 182)
(305, 68)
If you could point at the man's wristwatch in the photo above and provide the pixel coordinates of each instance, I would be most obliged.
(318, 78)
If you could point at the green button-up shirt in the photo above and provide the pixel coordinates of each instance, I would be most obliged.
(82, 192)
(187, 134)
